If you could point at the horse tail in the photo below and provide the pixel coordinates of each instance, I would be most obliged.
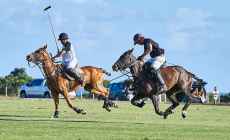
(199, 80)
(194, 76)
(105, 72)
(197, 83)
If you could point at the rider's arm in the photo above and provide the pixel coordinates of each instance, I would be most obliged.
(59, 53)
(66, 48)
(148, 48)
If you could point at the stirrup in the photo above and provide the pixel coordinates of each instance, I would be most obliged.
(162, 89)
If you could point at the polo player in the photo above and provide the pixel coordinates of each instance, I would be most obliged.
(69, 59)
(157, 57)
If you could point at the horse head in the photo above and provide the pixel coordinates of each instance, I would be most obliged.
(38, 56)
(124, 61)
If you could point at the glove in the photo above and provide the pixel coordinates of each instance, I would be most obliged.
(53, 58)
(140, 58)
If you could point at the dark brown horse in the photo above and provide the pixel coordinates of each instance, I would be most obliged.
(58, 83)
(177, 79)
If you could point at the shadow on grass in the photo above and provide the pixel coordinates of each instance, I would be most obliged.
(22, 118)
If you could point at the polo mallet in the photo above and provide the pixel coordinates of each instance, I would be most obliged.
(51, 25)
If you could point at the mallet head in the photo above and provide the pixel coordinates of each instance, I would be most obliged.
(47, 8)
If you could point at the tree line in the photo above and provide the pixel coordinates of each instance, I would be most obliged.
(13, 81)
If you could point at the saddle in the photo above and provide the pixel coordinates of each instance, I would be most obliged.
(68, 76)
(149, 72)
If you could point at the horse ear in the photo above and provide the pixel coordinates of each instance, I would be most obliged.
(45, 46)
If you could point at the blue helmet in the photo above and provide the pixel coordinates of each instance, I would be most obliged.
(63, 36)
(136, 37)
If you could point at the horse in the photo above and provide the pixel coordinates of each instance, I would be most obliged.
(59, 84)
(177, 79)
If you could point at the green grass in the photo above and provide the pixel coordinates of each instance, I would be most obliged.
(29, 119)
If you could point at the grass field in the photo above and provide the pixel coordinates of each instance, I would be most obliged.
(29, 119)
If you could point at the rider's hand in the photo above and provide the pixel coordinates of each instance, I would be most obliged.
(53, 58)
(140, 58)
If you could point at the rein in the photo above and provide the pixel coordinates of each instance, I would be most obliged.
(39, 65)
(40, 68)
(43, 73)
(125, 73)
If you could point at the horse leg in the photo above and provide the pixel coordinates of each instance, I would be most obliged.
(78, 110)
(184, 109)
(189, 101)
(135, 102)
(156, 102)
(110, 102)
(105, 98)
(170, 109)
(101, 90)
(56, 103)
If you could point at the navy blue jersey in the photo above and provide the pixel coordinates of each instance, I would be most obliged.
(156, 50)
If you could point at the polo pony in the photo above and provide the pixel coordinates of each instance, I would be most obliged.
(177, 79)
(59, 84)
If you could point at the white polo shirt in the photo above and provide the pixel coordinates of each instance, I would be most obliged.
(69, 58)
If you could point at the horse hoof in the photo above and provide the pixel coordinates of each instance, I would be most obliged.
(107, 108)
(140, 105)
(161, 113)
(80, 111)
(111, 104)
(55, 117)
(165, 115)
(184, 114)
(56, 114)
(83, 112)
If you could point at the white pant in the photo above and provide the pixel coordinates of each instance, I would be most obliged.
(157, 62)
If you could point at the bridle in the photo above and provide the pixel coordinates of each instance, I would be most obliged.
(42, 65)
(123, 68)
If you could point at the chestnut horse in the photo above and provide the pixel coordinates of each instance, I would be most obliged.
(58, 83)
(177, 79)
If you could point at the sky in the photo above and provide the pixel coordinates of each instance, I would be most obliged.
(194, 34)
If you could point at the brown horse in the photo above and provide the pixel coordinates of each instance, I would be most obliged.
(58, 83)
(177, 79)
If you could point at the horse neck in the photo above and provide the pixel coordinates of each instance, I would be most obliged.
(136, 69)
(48, 67)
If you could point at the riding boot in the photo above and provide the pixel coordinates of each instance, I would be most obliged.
(77, 76)
(163, 87)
